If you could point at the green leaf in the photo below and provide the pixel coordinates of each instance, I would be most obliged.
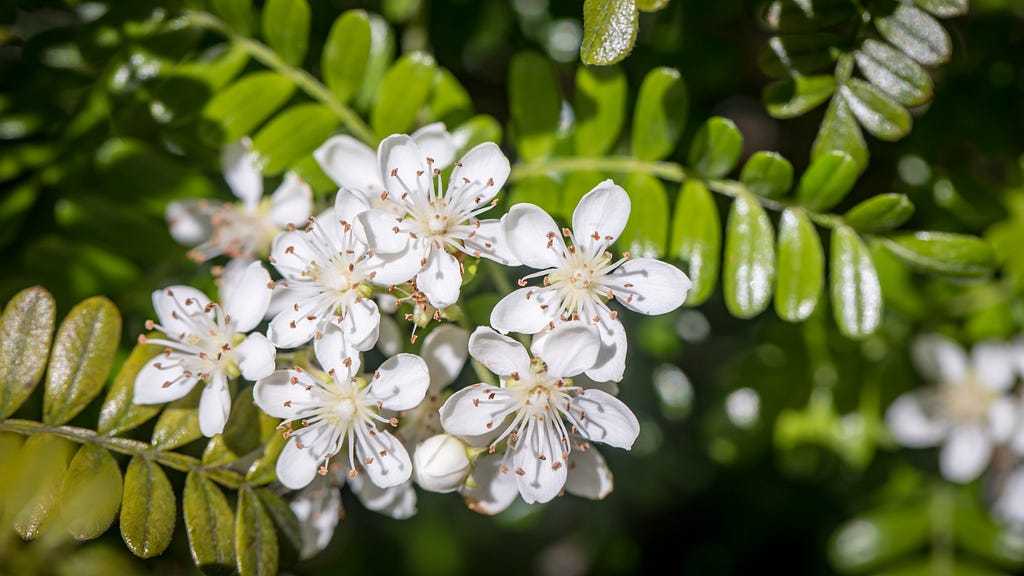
(880, 214)
(827, 181)
(806, 15)
(543, 191)
(976, 533)
(119, 413)
(535, 104)
(767, 174)
(286, 525)
(647, 229)
(286, 28)
(244, 105)
(216, 66)
(878, 113)
(237, 13)
(651, 5)
(798, 54)
(382, 52)
(576, 185)
(801, 267)
(148, 511)
(600, 101)
(91, 495)
(697, 239)
(869, 541)
(256, 544)
(477, 130)
(404, 89)
(749, 258)
(217, 452)
(944, 8)
(178, 424)
(893, 72)
(82, 356)
(609, 31)
(293, 134)
(34, 494)
(915, 32)
(263, 471)
(346, 53)
(449, 103)
(716, 148)
(840, 131)
(210, 525)
(856, 293)
(242, 429)
(956, 255)
(26, 329)
(660, 114)
(798, 95)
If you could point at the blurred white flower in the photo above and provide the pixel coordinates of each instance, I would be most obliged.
(1009, 506)
(441, 463)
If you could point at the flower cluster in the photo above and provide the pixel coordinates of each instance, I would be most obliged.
(395, 242)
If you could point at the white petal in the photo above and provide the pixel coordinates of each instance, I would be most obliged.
(401, 382)
(490, 242)
(242, 172)
(587, 382)
(534, 237)
(993, 364)
(605, 419)
(500, 354)
(278, 397)
(350, 163)
(379, 230)
(436, 143)
(494, 485)
(649, 286)
(255, 356)
(486, 168)
(441, 279)
(602, 212)
(348, 205)
(150, 383)
(1010, 505)
(611, 360)
(390, 340)
(189, 224)
(539, 467)
(403, 165)
(296, 467)
(333, 348)
(966, 454)
(398, 502)
(292, 202)
(526, 310)
(317, 507)
(469, 411)
(291, 254)
(180, 301)
(940, 359)
(910, 420)
(281, 331)
(589, 475)
(570, 349)
(249, 297)
(445, 351)
(389, 463)
(361, 323)
(1002, 418)
(395, 269)
(214, 406)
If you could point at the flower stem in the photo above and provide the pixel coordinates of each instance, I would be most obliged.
(169, 459)
(304, 80)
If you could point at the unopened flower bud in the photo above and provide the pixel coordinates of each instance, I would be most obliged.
(441, 463)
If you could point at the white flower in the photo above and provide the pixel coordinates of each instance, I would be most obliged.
(538, 407)
(968, 412)
(318, 509)
(445, 352)
(206, 342)
(579, 279)
(340, 411)
(423, 223)
(441, 463)
(1009, 507)
(243, 230)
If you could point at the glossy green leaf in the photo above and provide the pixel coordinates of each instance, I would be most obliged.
(244, 105)
(894, 72)
(286, 28)
(646, 231)
(915, 32)
(806, 15)
(955, 255)
(749, 258)
(827, 181)
(477, 130)
(798, 95)
(293, 134)
(543, 191)
(660, 114)
(26, 329)
(697, 239)
(609, 31)
(242, 429)
(449, 102)
(840, 131)
(535, 104)
(880, 213)
(856, 293)
(801, 271)
(83, 353)
(879, 114)
(944, 8)
(405, 88)
(34, 495)
(237, 13)
(346, 53)
(178, 424)
(119, 413)
(651, 5)
(382, 52)
(767, 174)
(871, 540)
(286, 525)
(716, 148)
(148, 511)
(210, 525)
(256, 540)
(91, 495)
(798, 54)
(600, 102)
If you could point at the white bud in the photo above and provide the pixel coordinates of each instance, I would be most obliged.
(441, 463)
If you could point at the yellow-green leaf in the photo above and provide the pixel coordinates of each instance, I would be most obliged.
(646, 231)
(716, 148)
(534, 103)
(118, 413)
(600, 101)
(346, 53)
(403, 91)
(148, 512)
(34, 494)
(827, 181)
(801, 270)
(767, 174)
(956, 255)
(178, 424)
(256, 540)
(798, 95)
(91, 495)
(660, 114)
(237, 13)
(26, 329)
(246, 103)
(292, 135)
(609, 31)
(286, 28)
(210, 525)
(880, 213)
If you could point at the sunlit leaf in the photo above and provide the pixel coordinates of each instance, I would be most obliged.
(893, 72)
(840, 131)
(210, 525)
(600, 101)
(91, 495)
(799, 95)
(148, 511)
(767, 174)
(26, 329)
(646, 232)
(286, 28)
(944, 8)
(534, 103)
(244, 105)
(178, 424)
(293, 134)
(256, 540)
(542, 191)
(716, 148)
(827, 181)
(877, 113)
(915, 32)
(449, 102)
(660, 114)
(477, 130)
(119, 413)
(955, 255)
(856, 293)
(609, 31)
(880, 213)
(237, 13)
(382, 52)
(697, 239)
(34, 495)
(346, 52)
(801, 267)
(405, 88)
(749, 269)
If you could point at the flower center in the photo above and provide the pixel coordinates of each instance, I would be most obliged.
(968, 402)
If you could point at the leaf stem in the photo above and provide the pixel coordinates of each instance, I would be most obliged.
(304, 80)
